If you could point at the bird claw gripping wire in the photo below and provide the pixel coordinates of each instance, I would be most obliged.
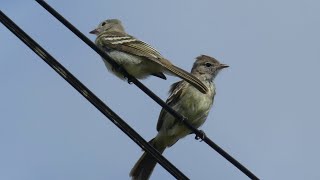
(183, 119)
(121, 70)
(202, 136)
(129, 80)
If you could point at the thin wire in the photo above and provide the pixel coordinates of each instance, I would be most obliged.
(84, 91)
(179, 117)
(182, 119)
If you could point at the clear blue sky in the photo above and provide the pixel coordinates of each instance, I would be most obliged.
(266, 111)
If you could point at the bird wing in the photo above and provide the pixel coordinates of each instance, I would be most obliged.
(129, 44)
(177, 90)
(123, 42)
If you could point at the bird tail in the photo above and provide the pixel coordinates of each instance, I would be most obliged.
(160, 75)
(187, 77)
(145, 165)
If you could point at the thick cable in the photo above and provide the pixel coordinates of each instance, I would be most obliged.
(179, 117)
(93, 99)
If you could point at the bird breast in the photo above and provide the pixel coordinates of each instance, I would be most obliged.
(195, 104)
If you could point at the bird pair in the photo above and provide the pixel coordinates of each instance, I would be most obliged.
(192, 97)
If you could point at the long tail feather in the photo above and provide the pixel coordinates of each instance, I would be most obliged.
(143, 168)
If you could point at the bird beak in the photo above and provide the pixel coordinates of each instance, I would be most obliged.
(222, 66)
(95, 31)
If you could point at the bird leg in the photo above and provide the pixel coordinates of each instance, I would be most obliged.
(201, 136)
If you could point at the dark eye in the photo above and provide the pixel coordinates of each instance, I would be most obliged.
(208, 64)
(104, 23)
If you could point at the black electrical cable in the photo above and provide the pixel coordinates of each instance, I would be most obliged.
(84, 91)
(199, 134)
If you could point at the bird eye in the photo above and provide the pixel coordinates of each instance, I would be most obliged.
(208, 64)
(104, 23)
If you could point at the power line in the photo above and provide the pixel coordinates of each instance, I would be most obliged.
(177, 116)
(84, 91)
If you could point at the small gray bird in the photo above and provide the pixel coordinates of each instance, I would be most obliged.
(137, 57)
(187, 101)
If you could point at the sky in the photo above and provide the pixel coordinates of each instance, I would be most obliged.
(265, 114)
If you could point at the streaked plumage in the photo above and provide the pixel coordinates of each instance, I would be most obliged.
(187, 101)
(137, 57)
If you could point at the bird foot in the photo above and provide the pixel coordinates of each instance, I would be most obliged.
(129, 80)
(122, 71)
(201, 136)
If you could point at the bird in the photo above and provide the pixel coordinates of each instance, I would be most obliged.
(138, 58)
(187, 101)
